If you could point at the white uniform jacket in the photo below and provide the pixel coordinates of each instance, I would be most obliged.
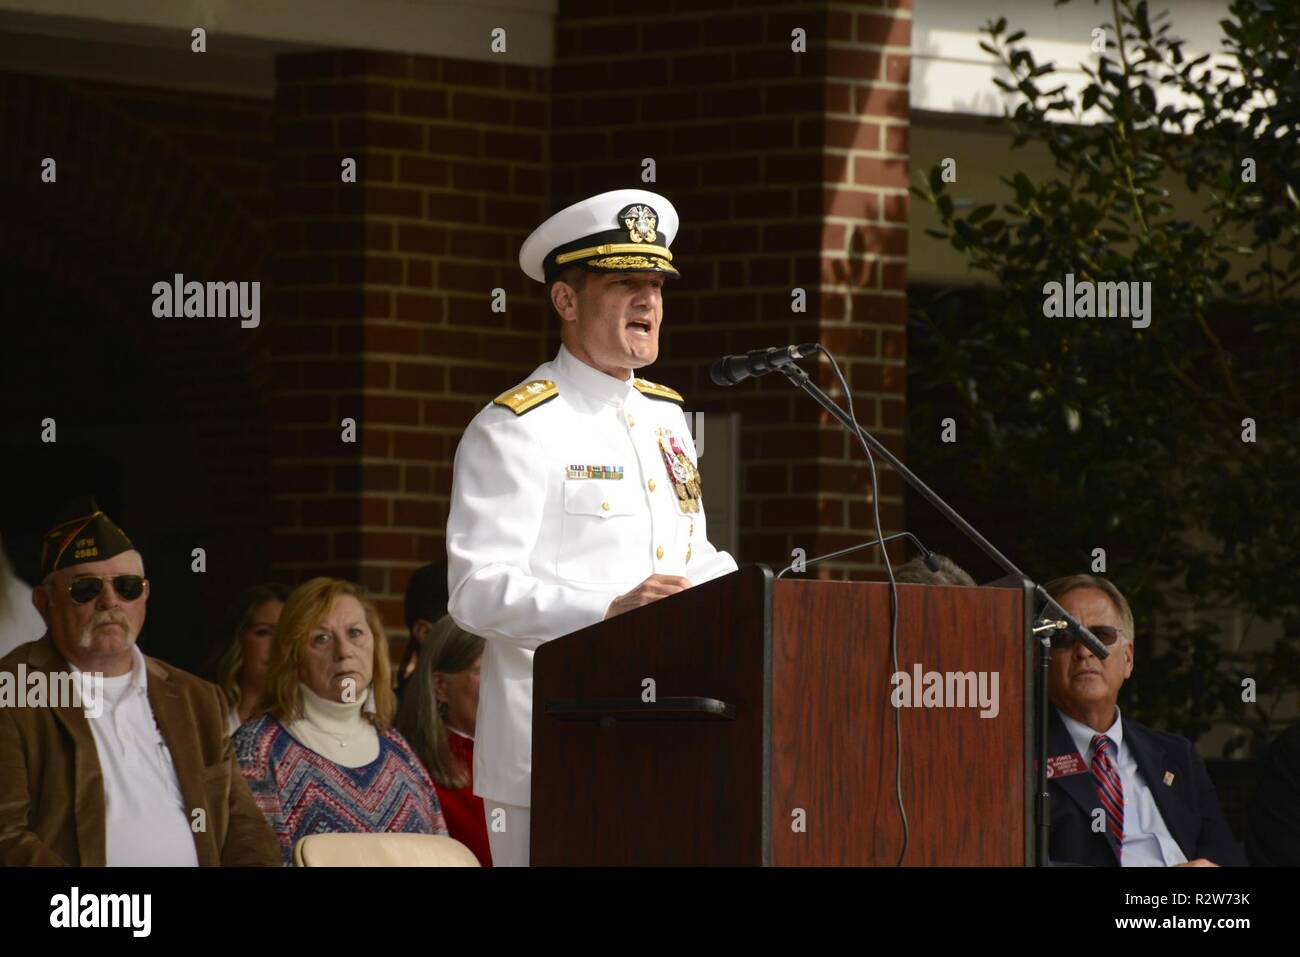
(556, 510)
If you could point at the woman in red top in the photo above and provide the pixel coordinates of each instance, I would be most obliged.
(439, 706)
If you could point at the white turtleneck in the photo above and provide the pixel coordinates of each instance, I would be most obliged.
(336, 730)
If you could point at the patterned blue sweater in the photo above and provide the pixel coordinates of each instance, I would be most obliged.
(302, 792)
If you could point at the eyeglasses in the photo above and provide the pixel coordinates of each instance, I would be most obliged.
(1066, 638)
(87, 588)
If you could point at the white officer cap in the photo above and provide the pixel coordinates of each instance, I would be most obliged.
(625, 230)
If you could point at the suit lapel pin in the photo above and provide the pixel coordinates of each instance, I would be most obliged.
(1169, 778)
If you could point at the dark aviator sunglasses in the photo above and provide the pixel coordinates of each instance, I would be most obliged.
(1066, 639)
(87, 588)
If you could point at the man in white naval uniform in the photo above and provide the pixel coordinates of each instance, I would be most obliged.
(575, 495)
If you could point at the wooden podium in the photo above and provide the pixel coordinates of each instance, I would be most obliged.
(770, 739)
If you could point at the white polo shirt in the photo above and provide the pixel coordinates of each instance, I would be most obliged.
(146, 823)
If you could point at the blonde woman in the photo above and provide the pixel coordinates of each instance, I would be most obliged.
(438, 716)
(322, 757)
(240, 669)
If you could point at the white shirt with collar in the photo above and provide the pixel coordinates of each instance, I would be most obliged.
(146, 823)
(1147, 841)
(538, 546)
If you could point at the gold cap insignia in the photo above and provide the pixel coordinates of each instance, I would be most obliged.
(641, 222)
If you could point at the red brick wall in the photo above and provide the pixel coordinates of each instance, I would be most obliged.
(788, 170)
(226, 139)
(164, 419)
(224, 143)
(384, 296)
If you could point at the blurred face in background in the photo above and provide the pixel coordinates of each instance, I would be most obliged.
(460, 693)
(255, 643)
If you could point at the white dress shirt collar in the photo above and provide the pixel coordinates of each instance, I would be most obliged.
(590, 380)
(1082, 735)
(114, 689)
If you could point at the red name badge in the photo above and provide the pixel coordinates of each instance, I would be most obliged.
(1063, 765)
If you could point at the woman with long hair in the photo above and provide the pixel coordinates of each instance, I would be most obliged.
(322, 755)
(240, 666)
(437, 717)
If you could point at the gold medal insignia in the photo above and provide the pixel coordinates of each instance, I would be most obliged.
(681, 472)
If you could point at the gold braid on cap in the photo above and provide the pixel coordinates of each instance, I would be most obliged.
(607, 248)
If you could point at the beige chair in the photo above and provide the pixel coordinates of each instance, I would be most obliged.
(382, 850)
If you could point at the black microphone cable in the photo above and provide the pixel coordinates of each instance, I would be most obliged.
(893, 604)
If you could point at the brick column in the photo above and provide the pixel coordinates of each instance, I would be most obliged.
(789, 170)
(864, 249)
(384, 307)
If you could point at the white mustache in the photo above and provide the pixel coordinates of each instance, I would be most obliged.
(104, 618)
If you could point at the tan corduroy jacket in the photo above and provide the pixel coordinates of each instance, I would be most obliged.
(52, 790)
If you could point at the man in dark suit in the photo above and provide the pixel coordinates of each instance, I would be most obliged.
(1121, 793)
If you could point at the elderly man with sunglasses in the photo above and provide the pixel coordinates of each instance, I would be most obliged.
(135, 767)
(1122, 794)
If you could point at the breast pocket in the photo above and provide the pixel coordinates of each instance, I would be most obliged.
(600, 533)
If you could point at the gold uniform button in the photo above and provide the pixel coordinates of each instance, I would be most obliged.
(688, 553)
(631, 421)
(651, 483)
(659, 552)
(605, 506)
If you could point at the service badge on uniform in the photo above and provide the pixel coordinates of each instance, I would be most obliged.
(608, 473)
(681, 471)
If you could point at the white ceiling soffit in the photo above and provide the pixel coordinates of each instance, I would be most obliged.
(951, 74)
(147, 42)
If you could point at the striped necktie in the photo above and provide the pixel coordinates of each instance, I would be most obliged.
(1109, 789)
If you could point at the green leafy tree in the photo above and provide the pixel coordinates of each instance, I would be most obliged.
(1104, 434)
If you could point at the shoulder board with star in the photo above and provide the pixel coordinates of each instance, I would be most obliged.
(530, 395)
(656, 391)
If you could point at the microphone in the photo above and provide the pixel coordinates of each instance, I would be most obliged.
(927, 556)
(1068, 622)
(732, 370)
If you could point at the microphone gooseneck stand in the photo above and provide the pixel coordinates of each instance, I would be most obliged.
(927, 556)
(802, 380)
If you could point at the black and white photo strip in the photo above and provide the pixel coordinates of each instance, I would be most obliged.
(841, 456)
